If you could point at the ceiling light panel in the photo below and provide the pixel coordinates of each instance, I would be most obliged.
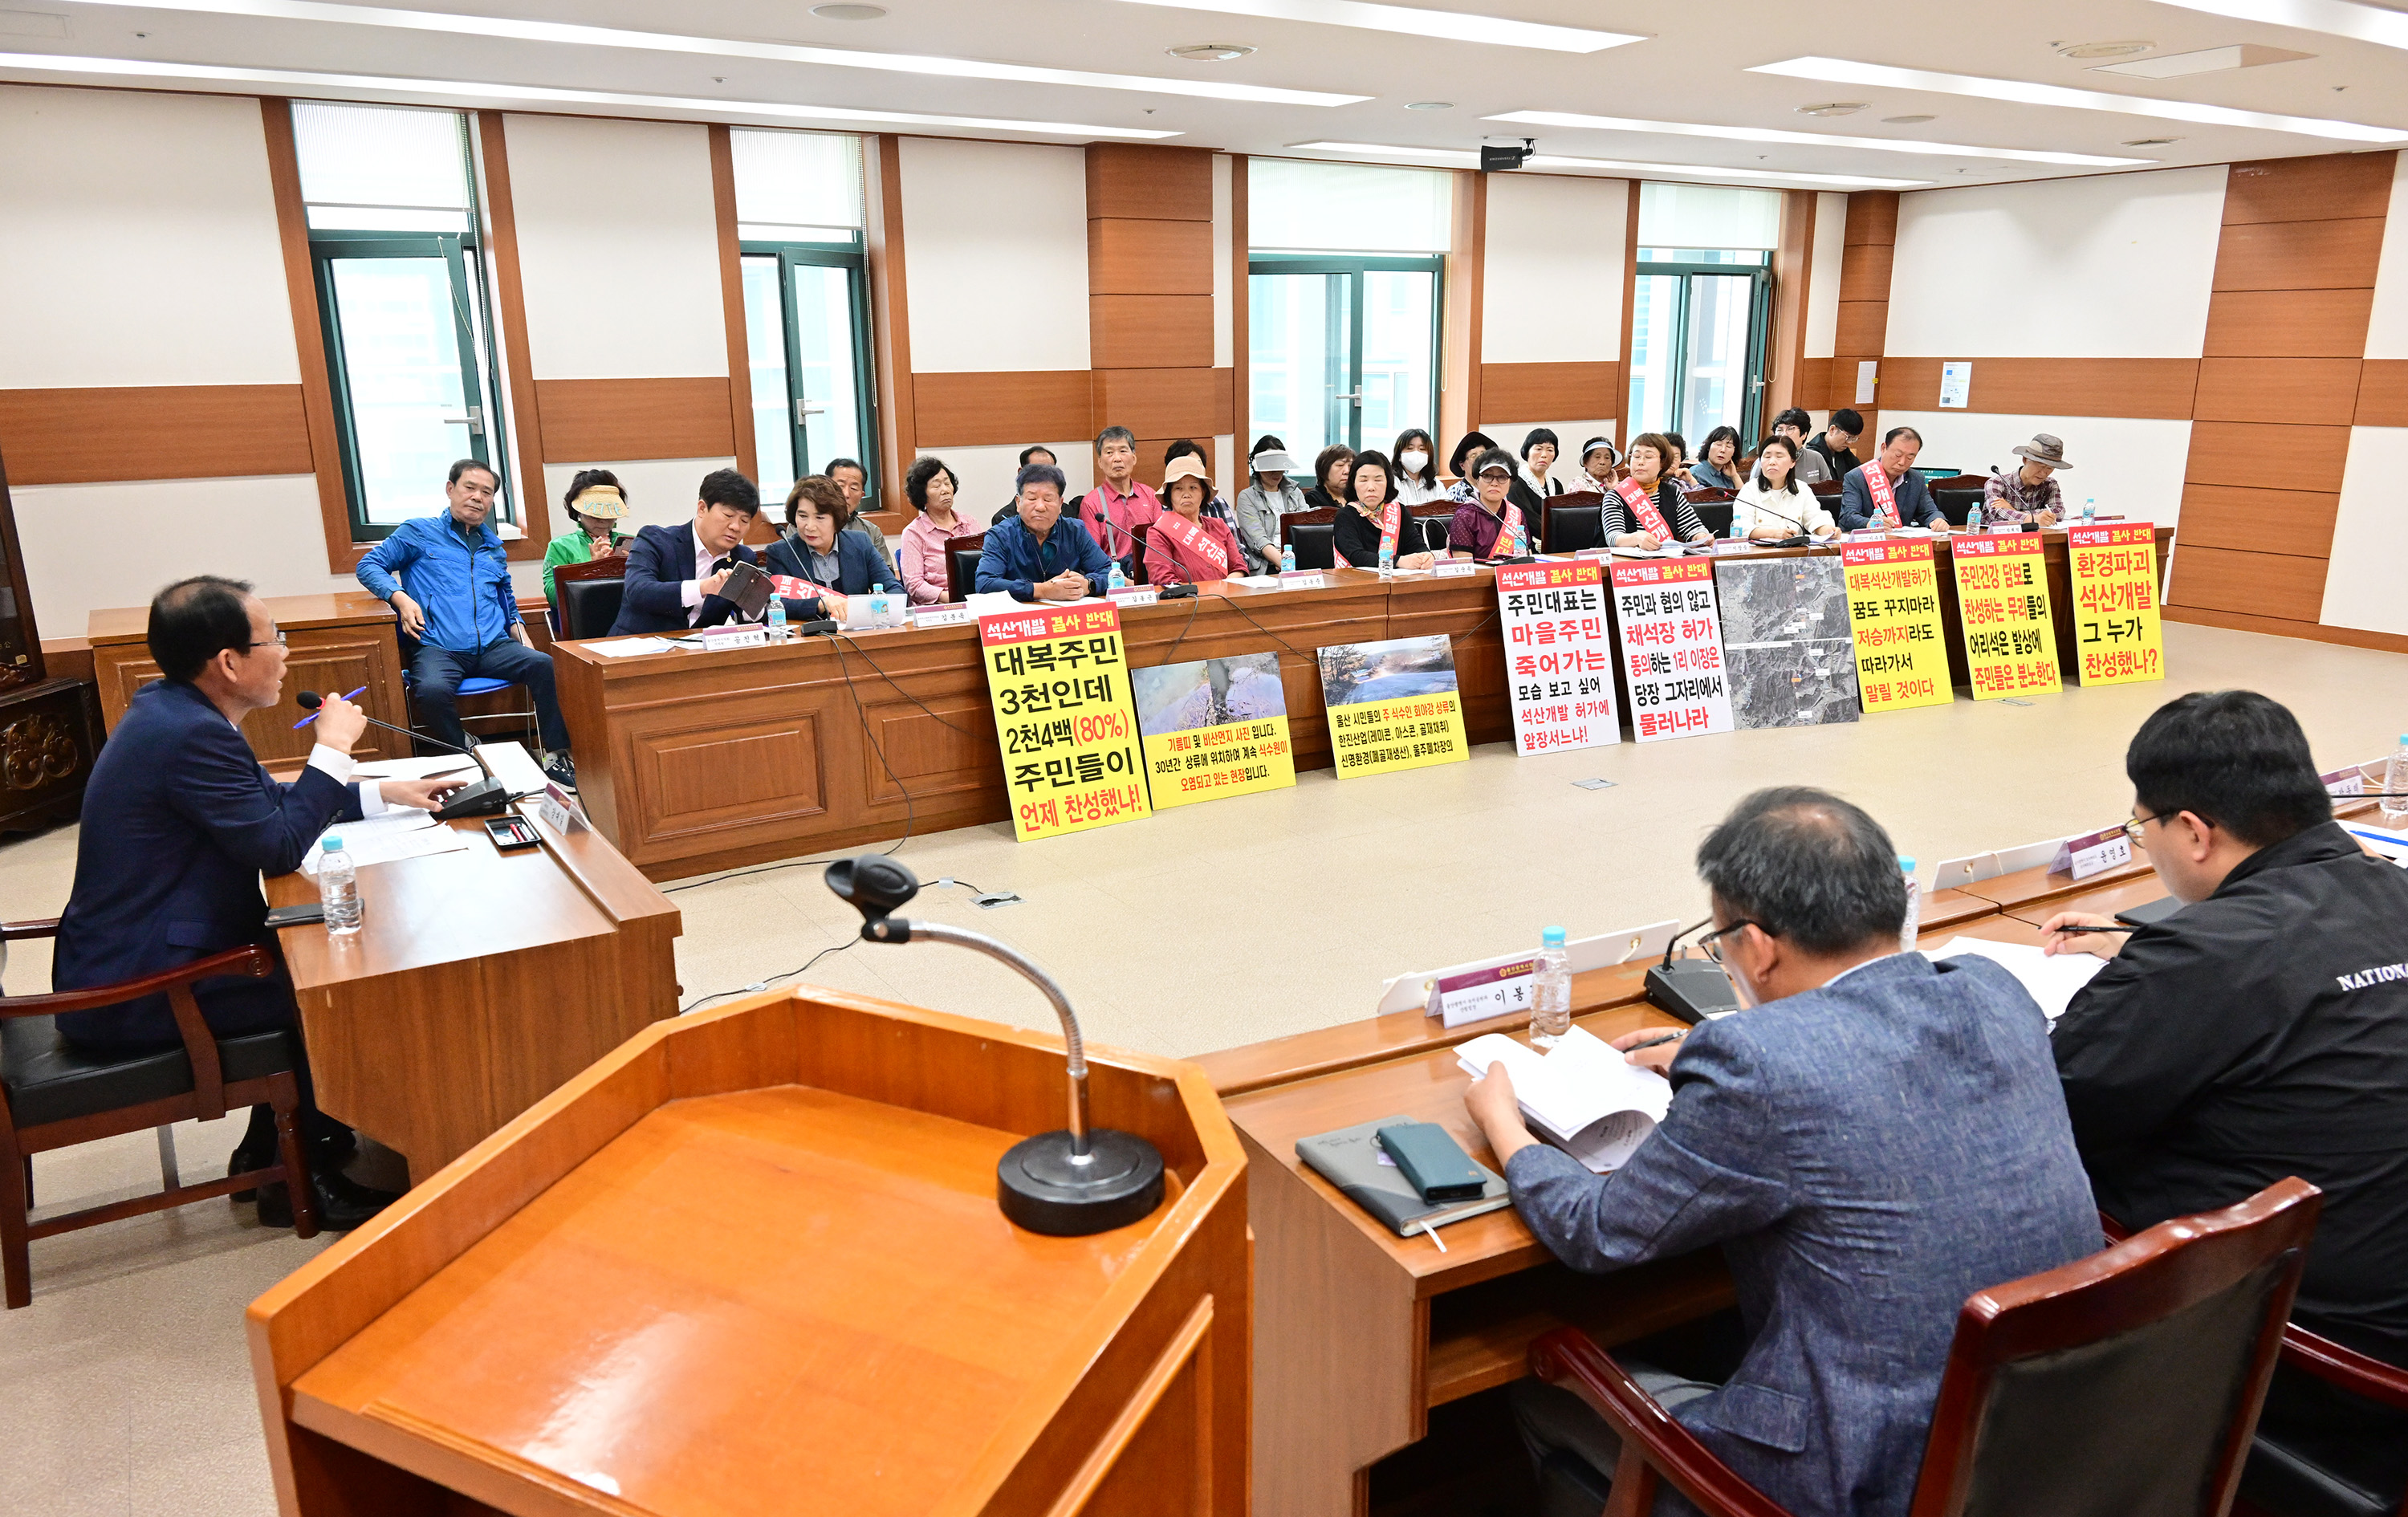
(2341, 18)
(573, 34)
(1411, 20)
(475, 90)
(2174, 65)
(1844, 71)
(1817, 139)
(1610, 165)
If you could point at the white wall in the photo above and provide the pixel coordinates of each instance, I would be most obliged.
(2386, 326)
(1509, 435)
(1551, 266)
(2112, 265)
(986, 474)
(2369, 535)
(2133, 467)
(617, 248)
(1822, 281)
(997, 270)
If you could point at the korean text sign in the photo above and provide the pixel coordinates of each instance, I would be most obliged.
(2115, 630)
(1894, 616)
(1213, 728)
(2002, 607)
(1671, 638)
(1559, 660)
(1392, 704)
(1060, 688)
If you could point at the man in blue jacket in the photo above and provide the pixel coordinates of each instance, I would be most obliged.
(1878, 1138)
(448, 579)
(180, 822)
(1910, 502)
(1036, 555)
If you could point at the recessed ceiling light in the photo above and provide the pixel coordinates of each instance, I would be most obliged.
(1210, 52)
(463, 23)
(2174, 65)
(1846, 71)
(1429, 105)
(847, 12)
(1835, 107)
(484, 91)
(1448, 25)
(1610, 165)
(1818, 139)
(32, 23)
(2100, 50)
(1906, 120)
(2151, 142)
(2340, 17)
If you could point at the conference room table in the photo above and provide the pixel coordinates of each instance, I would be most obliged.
(694, 760)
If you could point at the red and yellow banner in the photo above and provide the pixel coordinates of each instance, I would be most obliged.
(2115, 630)
(1060, 687)
(1894, 616)
(2003, 608)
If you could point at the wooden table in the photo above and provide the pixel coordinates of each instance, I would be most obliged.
(336, 643)
(478, 983)
(753, 1263)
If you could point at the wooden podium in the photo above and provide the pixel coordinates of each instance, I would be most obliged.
(752, 1262)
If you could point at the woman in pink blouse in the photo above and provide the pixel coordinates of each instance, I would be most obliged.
(1184, 545)
(920, 556)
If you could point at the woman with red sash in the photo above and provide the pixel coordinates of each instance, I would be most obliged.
(1647, 509)
(1375, 530)
(1184, 545)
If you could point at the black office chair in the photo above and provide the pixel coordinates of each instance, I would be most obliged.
(1715, 514)
(1957, 503)
(1313, 534)
(589, 607)
(1137, 560)
(1571, 528)
(961, 565)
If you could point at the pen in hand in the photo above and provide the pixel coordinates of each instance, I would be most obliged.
(1656, 1041)
(313, 716)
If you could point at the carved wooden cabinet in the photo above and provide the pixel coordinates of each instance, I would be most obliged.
(50, 732)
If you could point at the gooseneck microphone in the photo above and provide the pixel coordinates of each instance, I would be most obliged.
(488, 796)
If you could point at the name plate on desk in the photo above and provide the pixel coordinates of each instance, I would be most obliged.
(1478, 994)
(2349, 781)
(941, 616)
(1454, 568)
(1134, 595)
(1867, 537)
(1303, 580)
(1733, 545)
(2092, 853)
(559, 810)
(716, 638)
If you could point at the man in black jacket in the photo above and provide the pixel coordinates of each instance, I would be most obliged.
(2260, 1032)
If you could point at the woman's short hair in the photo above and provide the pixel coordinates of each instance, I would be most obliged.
(916, 484)
(586, 479)
(1595, 443)
(1375, 459)
(820, 492)
(1662, 446)
(1721, 433)
(1331, 456)
(1038, 474)
(1264, 444)
(1787, 447)
(1539, 435)
(1680, 446)
(1470, 445)
(1428, 474)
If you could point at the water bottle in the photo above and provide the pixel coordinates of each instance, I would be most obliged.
(1738, 523)
(777, 619)
(878, 602)
(1551, 990)
(338, 889)
(1287, 558)
(2395, 786)
(1913, 926)
(2090, 512)
(1116, 579)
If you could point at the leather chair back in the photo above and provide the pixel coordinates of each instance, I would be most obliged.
(1715, 514)
(588, 606)
(961, 565)
(1955, 503)
(1573, 522)
(1313, 534)
(1138, 560)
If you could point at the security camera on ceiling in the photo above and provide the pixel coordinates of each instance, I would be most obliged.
(1497, 154)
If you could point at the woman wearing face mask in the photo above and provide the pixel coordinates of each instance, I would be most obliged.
(819, 564)
(1467, 450)
(1375, 523)
(1416, 458)
(1719, 469)
(1600, 465)
(1648, 510)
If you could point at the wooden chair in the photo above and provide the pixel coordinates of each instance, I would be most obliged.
(589, 596)
(1313, 534)
(56, 1097)
(2126, 1383)
(961, 565)
(1140, 533)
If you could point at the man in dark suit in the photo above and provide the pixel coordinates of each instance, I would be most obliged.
(1892, 471)
(180, 820)
(675, 574)
(1875, 1139)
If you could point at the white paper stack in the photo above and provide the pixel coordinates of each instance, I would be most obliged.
(2053, 980)
(383, 838)
(1584, 1098)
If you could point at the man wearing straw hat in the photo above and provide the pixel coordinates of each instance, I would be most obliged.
(2030, 494)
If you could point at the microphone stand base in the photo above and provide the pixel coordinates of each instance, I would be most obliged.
(486, 797)
(1040, 1190)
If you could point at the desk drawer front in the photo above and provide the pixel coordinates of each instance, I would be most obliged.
(700, 780)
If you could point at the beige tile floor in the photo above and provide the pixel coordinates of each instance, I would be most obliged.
(125, 1386)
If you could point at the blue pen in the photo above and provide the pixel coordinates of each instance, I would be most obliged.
(313, 716)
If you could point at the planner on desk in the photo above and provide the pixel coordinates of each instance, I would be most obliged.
(1584, 1098)
(1351, 1159)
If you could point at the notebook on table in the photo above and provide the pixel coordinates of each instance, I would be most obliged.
(1351, 1159)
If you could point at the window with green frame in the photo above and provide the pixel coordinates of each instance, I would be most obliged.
(402, 304)
(1344, 348)
(1698, 325)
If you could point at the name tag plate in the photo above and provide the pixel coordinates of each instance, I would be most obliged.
(1134, 595)
(2092, 853)
(940, 616)
(1479, 995)
(1733, 545)
(1454, 568)
(2343, 782)
(1304, 579)
(716, 638)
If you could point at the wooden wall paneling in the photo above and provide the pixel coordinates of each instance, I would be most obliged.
(1156, 183)
(1865, 271)
(2268, 456)
(1240, 317)
(2383, 393)
(2289, 323)
(2300, 255)
(1872, 217)
(166, 432)
(1535, 391)
(1793, 279)
(1864, 328)
(1150, 331)
(1629, 313)
(308, 342)
(961, 410)
(1160, 402)
(890, 317)
(2305, 391)
(509, 315)
(2328, 187)
(2388, 642)
(2256, 582)
(731, 301)
(1131, 257)
(590, 419)
(2160, 388)
(1812, 391)
(2297, 523)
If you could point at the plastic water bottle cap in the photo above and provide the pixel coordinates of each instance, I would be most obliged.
(332, 844)
(1905, 864)
(1551, 938)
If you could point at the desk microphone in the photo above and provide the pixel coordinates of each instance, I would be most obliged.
(488, 796)
(1805, 537)
(1691, 989)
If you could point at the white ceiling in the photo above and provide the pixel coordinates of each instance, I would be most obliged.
(1690, 68)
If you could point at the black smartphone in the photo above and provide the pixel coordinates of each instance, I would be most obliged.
(299, 915)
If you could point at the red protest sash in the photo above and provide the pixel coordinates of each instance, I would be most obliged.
(1642, 506)
(793, 589)
(1191, 539)
(1392, 521)
(1514, 541)
(1885, 499)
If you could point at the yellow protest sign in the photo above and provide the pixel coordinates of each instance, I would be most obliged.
(2002, 607)
(1392, 705)
(1894, 616)
(1213, 728)
(2115, 630)
(1060, 688)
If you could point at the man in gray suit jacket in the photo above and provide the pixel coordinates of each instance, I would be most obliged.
(1878, 1138)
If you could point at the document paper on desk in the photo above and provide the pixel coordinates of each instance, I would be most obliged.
(2053, 980)
(404, 834)
(1584, 1098)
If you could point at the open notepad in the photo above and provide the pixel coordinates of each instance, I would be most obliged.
(1584, 1098)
